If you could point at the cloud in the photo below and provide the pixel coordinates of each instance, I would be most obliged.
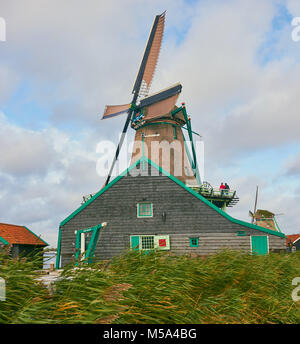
(291, 167)
(8, 82)
(43, 175)
(24, 152)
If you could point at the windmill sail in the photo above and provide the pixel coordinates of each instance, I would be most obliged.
(161, 102)
(147, 68)
(115, 110)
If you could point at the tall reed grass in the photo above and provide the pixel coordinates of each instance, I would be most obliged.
(155, 288)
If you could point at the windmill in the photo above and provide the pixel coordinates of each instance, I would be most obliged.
(264, 218)
(156, 117)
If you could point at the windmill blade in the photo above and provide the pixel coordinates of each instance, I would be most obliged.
(161, 95)
(256, 196)
(255, 204)
(150, 57)
(115, 110)
(161, 102)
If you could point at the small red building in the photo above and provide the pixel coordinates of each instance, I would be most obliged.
(293, 242)
(22, 241)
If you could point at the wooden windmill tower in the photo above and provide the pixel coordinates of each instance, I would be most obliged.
(157, 120)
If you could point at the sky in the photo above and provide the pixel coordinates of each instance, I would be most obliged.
(63, 61)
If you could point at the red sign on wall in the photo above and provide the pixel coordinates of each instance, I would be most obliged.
(162, 243)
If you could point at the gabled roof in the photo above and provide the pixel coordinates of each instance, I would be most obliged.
(14, 234)
(292, 238)
(180, 183)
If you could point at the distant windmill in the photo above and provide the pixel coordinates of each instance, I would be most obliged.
(156, 115)
(264, 218)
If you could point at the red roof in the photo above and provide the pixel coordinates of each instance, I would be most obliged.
(14, 234)
(292, 238)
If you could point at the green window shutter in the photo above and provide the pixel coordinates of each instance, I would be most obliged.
(194, 242)
(135, 242)
(162, 242)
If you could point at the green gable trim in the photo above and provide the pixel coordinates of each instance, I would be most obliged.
(180, 183)
(4, 241)
(58, 248)
(37, 236)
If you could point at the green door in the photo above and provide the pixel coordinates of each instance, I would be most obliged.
(259, 244)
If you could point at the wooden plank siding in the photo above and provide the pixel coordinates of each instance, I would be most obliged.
(186, 216)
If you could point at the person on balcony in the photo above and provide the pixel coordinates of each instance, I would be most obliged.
(227, 188)
(222, 188)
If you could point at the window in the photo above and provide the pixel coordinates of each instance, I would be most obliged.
(194, 242)
(144, 209)
(149, 242)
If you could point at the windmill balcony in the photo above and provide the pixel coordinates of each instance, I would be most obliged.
(218, 197)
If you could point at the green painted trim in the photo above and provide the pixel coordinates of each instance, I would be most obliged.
(77, 247)
(190, 132)
(241, 233)
(195, 171)
(99, 193)
(36, 236)
(4, 241)
(176, 111)
(180, 183)
(277, 225)
(58, 249)
(92, 247)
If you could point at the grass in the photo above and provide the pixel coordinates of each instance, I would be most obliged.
(155, 288)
